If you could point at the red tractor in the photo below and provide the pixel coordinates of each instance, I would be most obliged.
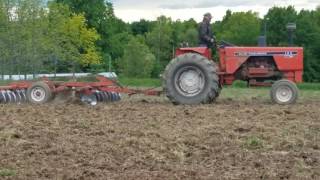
(193, 77)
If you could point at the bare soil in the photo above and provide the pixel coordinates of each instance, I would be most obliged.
(152, 139)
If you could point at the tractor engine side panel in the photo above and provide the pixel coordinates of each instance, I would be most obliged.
(288, 60)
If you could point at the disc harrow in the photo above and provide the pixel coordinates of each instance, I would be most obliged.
(107, 96)
(13, 96)
(103, 90)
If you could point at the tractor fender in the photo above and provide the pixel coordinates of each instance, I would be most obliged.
(203, 51)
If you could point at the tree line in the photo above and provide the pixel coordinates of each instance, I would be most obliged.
(86, 36)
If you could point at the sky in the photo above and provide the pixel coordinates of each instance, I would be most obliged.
(134, 10)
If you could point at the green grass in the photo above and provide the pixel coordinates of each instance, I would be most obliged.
(302, 86)
(2, 83)
(138, 82)
(7, 173)
(309, 86)
(253, 143)
(258, 93)
(238, 91)
(149, 82)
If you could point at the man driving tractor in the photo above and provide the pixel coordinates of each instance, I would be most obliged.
(206, 37)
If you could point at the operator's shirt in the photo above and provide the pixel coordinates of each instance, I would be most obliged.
(205, 34)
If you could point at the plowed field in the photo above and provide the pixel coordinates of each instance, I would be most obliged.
(152, 139)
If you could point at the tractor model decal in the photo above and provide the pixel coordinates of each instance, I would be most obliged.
(288, 54)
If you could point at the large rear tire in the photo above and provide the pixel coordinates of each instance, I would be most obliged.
(191, 79)
(284, 92)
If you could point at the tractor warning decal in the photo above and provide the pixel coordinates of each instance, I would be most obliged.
(288, 54)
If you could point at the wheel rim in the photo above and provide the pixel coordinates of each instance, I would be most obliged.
(284, 94)
(190, 81)
(38, 94)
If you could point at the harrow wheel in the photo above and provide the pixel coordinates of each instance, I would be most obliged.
(39, 93)
(191, 79)
(284, 92)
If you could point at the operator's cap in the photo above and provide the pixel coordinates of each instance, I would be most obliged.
(208, 15)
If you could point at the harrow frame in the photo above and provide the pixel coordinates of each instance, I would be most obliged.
(93, 91)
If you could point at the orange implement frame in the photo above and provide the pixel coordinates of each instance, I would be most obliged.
(103, 84)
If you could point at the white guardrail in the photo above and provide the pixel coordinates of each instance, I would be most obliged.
(110, 75)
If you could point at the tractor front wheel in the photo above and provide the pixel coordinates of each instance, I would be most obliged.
(284, 92)
(191, 79)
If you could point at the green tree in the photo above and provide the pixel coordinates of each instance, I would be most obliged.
(100, 15)
(191, 36)
(137, 61)
(32, 47)
(117, 44)
(141, 27)
(307, 36)
(161, 44)
(71, 39)
(94, 11)
(242, 28)
(278, 18)
(22, 36)
(31, 35)
(8, 39)
(185, 32)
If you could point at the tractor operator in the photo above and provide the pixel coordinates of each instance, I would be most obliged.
(206, 37)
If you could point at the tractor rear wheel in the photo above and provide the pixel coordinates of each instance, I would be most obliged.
(191, 79)
(284, 92)
(39, 93)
